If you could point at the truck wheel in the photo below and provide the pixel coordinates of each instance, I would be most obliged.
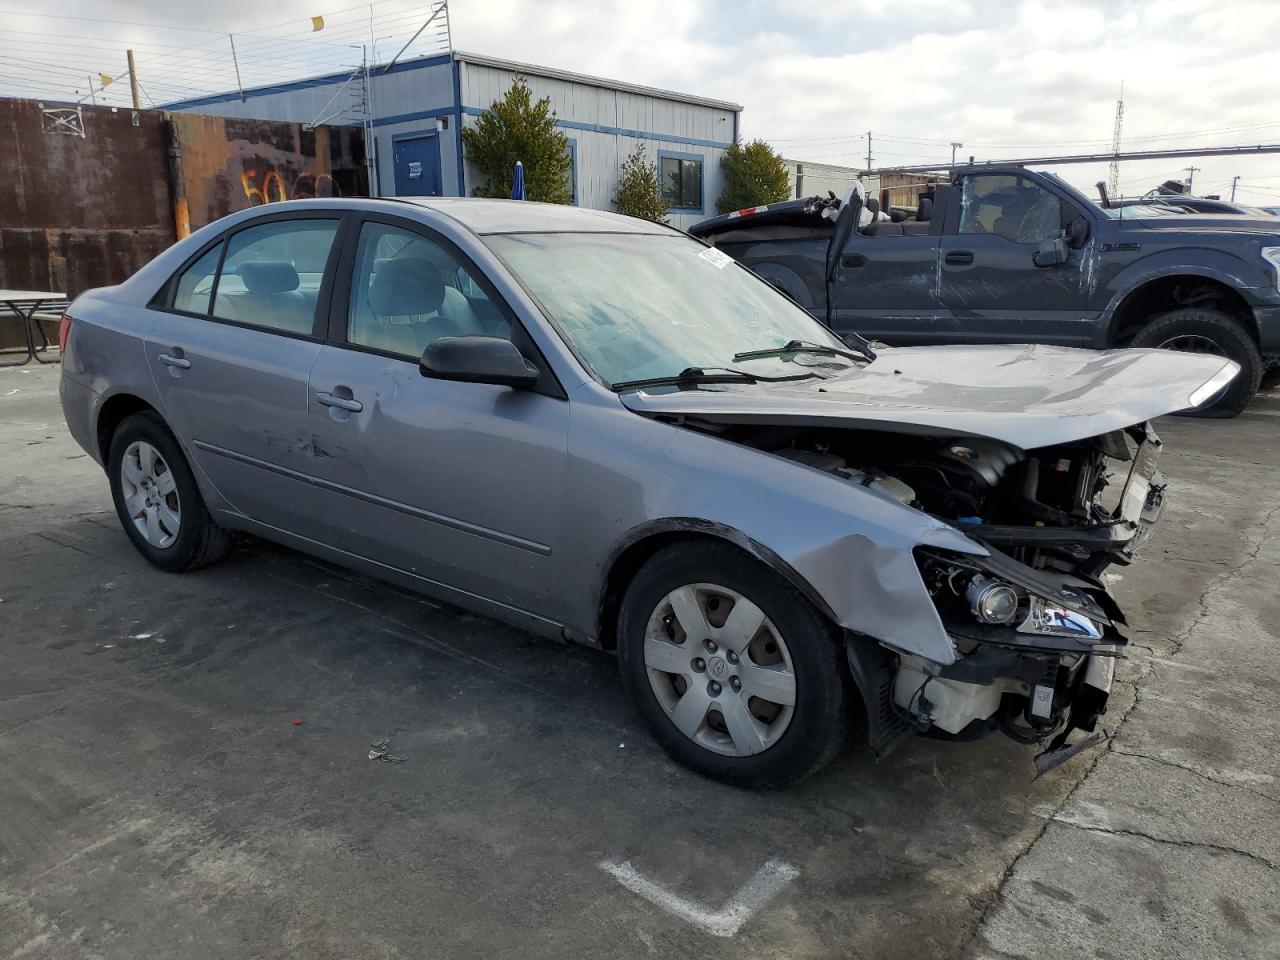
(1205, 330)
(735, 672)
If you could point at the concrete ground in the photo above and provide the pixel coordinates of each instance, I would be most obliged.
(159, 799)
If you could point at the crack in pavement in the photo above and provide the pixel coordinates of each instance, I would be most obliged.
(1121, 832)
(1177, 642)
(1199, 773)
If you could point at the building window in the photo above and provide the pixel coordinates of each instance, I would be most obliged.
(681, 180)
(571, 151)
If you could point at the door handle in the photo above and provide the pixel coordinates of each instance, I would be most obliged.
(958, 258)
(169, 360)
(342, 403)
(853, 260)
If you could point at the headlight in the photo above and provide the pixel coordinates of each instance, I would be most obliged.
(992, 601)
(1050, 620)
(1272, 256)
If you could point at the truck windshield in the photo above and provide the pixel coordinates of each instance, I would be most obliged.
(640, 306)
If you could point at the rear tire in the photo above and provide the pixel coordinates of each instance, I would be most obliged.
(793, 654)
(157, 500)
(1217, 333)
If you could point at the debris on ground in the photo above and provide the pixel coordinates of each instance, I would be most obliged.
(378, 751)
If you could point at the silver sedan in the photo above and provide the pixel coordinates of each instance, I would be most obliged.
(596, 428)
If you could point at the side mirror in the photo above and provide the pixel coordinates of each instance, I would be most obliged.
(478, 360)
(1051, 253)
(1077, 232)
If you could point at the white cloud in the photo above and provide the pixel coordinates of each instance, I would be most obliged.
(1005, 77)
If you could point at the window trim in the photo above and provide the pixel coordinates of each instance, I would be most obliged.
(702, 180)
(335, 332)
(162, 302)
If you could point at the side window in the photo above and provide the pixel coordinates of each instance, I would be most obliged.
(408, 290)
(1009, 206)
(272, 273)
(195, 285)
(681, 181)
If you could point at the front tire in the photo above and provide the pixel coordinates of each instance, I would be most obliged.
(736, 674)
(1204, 330)
(157, 500)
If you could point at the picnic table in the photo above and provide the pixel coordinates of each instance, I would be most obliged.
(29, 307)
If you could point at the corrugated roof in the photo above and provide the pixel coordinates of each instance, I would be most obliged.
(534, 70)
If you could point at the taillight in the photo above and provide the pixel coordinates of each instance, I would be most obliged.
(64, 331)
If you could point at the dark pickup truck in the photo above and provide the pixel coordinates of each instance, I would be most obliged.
(1003, 254)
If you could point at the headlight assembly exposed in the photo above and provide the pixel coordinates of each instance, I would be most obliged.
(1050, 620)
(992, 601)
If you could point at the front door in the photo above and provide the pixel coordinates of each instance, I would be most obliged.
(989, 280)
(461, 484)
(230, 354)
(416, 158)
(887, 289)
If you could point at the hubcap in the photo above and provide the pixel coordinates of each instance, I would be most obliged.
(720, 669)
(150, 494)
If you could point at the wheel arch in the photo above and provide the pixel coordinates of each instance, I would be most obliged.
(1161, 294)
(642, 543)
(113, 412)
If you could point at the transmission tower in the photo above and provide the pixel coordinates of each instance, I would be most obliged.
(1113, 175)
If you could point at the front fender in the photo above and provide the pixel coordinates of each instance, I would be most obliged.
(850, 550)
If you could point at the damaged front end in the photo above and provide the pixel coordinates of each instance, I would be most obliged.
(1034, 629)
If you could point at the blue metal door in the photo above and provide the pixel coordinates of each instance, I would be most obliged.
(416, 157)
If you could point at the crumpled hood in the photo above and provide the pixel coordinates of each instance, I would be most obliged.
(1027, 395)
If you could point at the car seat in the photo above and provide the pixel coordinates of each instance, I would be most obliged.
(270, 297)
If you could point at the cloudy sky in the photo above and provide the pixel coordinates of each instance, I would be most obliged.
(1007, 78)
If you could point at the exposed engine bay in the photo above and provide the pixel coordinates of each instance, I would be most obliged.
(1035, 631)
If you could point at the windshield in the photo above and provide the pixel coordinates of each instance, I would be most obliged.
(641, 306)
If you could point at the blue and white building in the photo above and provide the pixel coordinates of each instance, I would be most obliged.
(413, 112)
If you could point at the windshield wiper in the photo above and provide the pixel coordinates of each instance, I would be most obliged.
(861, 351)
(701, 375)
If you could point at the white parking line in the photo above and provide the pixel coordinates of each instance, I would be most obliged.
(725, 922)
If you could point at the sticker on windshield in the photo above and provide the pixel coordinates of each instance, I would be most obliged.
(717, 258)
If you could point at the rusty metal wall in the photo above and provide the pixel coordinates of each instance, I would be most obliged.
(84, 195)
(230, 163)
(89, 194)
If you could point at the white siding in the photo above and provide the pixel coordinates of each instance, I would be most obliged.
(604, 122)
(607, 124)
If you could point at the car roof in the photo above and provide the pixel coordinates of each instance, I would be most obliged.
(524, 216)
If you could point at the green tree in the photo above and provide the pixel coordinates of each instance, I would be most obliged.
(639, 189)
(753, 174)
(515, 128)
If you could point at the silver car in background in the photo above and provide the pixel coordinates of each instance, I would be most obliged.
(596, 428)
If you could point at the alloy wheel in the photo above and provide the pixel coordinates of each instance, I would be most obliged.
(720, 669)
(150, 494)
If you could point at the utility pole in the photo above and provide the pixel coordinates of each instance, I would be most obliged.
(868, 151)
(1191, 175)
(1113, 175)
(1234, 181)
(236, 61)
(954, 147)
(133, 80)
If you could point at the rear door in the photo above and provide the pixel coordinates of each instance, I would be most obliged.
(231, 353)
(461, 484)
(989, 280)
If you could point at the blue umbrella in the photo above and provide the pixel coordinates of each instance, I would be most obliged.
(517, 183)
